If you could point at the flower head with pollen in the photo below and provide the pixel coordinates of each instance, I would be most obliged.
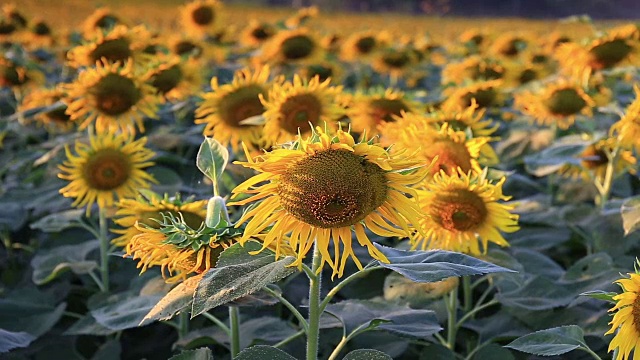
(226, 106)
(291, 106)
(626, 320)
(113, 96)
(463, 211)
(201, 17)
(374, 109)
(119, 44)
(323, 189)
(558, 103)
(148, 208)
(292, 47)
(110, 166)
(174, 78)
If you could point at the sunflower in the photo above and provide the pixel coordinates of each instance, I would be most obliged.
(291, 47)
(322, 188)
(518, 73)
(486, 94)
(53, 120)
(16, 75)
(473, 68)
(463, 210)
(11, 13)
(226, 106)
(368, 111)
(292, 106)
(301, 17)
(118, 45)
(593, 160)
(39, 35)
(174, 78)
(619, 46)
(394, 60)
(192, 48)
(111, 95)
(557, 103)
(256, 33)
(626, 319)
(201, 18)
(463, 119)
(510, 45)
(361, 45)
(324, 71)
(627, 129)
(102, 19)
(109, 166)
(148, 210)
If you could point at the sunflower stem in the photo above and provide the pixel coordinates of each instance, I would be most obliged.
(605, 187)
(467, 292)
(234, 325)
(344, 282)
(452, 326)
(596, 356)
(313, 333)
(288, 305)
(183, 324)
(104, 249)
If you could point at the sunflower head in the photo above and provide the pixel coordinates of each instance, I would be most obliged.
(463, 119)
(292, 106)
(292, 46)
(394, 61)
(11, 13)
(174, 78)
(627, 129)
(119, 44)
(322, 187)
(361, 45)
(324, 71)
(510, 45)
(109, 167)
(12, 74)
(201, 17)
(595, 157)
(473, 68)
(256, 33)
(53, 120)
(102, 19)
(302, 16)
(114, 96)
(369, 111)
(626, 320)
(485, 93)
(462, 212)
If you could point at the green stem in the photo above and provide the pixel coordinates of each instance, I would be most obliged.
(452, 328)
(346, 338)
(605, 188)
(594, 355)
(104, 249)
(183, 324)
(218, 322)
(234, 324)
(97, 280)
(466, 293)
(344, 282)
(313, 333)
(616, 351)
(475, 311)
(290, 339)
(288, 305)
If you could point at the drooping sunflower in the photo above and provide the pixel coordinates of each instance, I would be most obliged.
(473, 68)
(361, 45)
(619, 46)
(593, 161)
(113, 96)
(463, 119)
(370, 110)
(119, 44)
(53, 120)
(227, 105)
(148, 208)
(292, 47)
(322, 188)
(486, 94)
(296, 107)
(18, 75)
(510, 45)
(626, 319)
(173, 77)
(256, 33)
(102, 19)
(627, 129)
(557, 103)
(463, 211)
(111, 166)
(201, 17)
(520, 73)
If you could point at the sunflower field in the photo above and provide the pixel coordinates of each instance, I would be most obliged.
(209, 181)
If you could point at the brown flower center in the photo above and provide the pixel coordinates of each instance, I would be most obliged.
(527, 75)
(298, 111)
(365, 44)
(107, 169)
(166, 80)
(332, 189)
(565, 102)
(41, 28)
(115, 94)
(297, 47)
(593, 158)
(203, 15)
(383, 110)
(458, 210)
(112, 50)
(513, 47)
(484, 97)
(107, 22)
(262, 32)
(10, 75)
(451, 155)
(609, 53)
(396, 59)
(6, 28)
(241, 104)
(486, 72)
(323, 72)
(635, 312)
(187, 48)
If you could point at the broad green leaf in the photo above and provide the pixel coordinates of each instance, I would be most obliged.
(600, 295)
(168, 180)
(111, 350)
(217, 215)
(550, 342)
(367, 354)
(630, 211)
(58, 221)
(229, 281)
(263, 352)
(12, 340)
(212, 158)
(13, 216)
(493, 352)
(264, 329)
(88, 325)
(435, 265)
(562, 152)
(31, 311)
(239, 254)
(124, 311)
(197, 354)
(537, 293)
(50, 263)
(178, 299)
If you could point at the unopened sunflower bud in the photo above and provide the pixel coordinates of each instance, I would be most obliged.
(217, 215)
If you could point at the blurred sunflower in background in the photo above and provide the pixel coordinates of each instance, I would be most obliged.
(39, 35)
(463, 119)
(296, 107)
(627, 316)
(292, 47)
(510, 45)
(486, 94)
(19, 75)
(226, 106)
(174, 78)
(201, 18)
(301, 17)
(113, 96)
(324, 71)
(472, 68)
(54, 120)
(119, 44)
(369, 110)
(111, 166)
(324, 187)
(627, 129)
(362, 45)
(256, 33)
(463, 213)
(558, 103)
(101, 20)
(394, 61)
(593, 160)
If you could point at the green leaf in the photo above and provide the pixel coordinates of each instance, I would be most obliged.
(367, 354)
(562, 152)
(238, 254)
(212, 158)
(12, 340)
(111, 350)
(435, 265)
(50, 263)
(58, 221)
(537, 293)
(197, 354)
(551, 342)
(630, 211)
(263, 352)
(178, 299)
(13, 216)
(226, 283)
(168, 180)
(88, 325)
(29, 310)
(217, 215)
(124, 310)
(264, 329)
(600, 295)
(493, 352)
